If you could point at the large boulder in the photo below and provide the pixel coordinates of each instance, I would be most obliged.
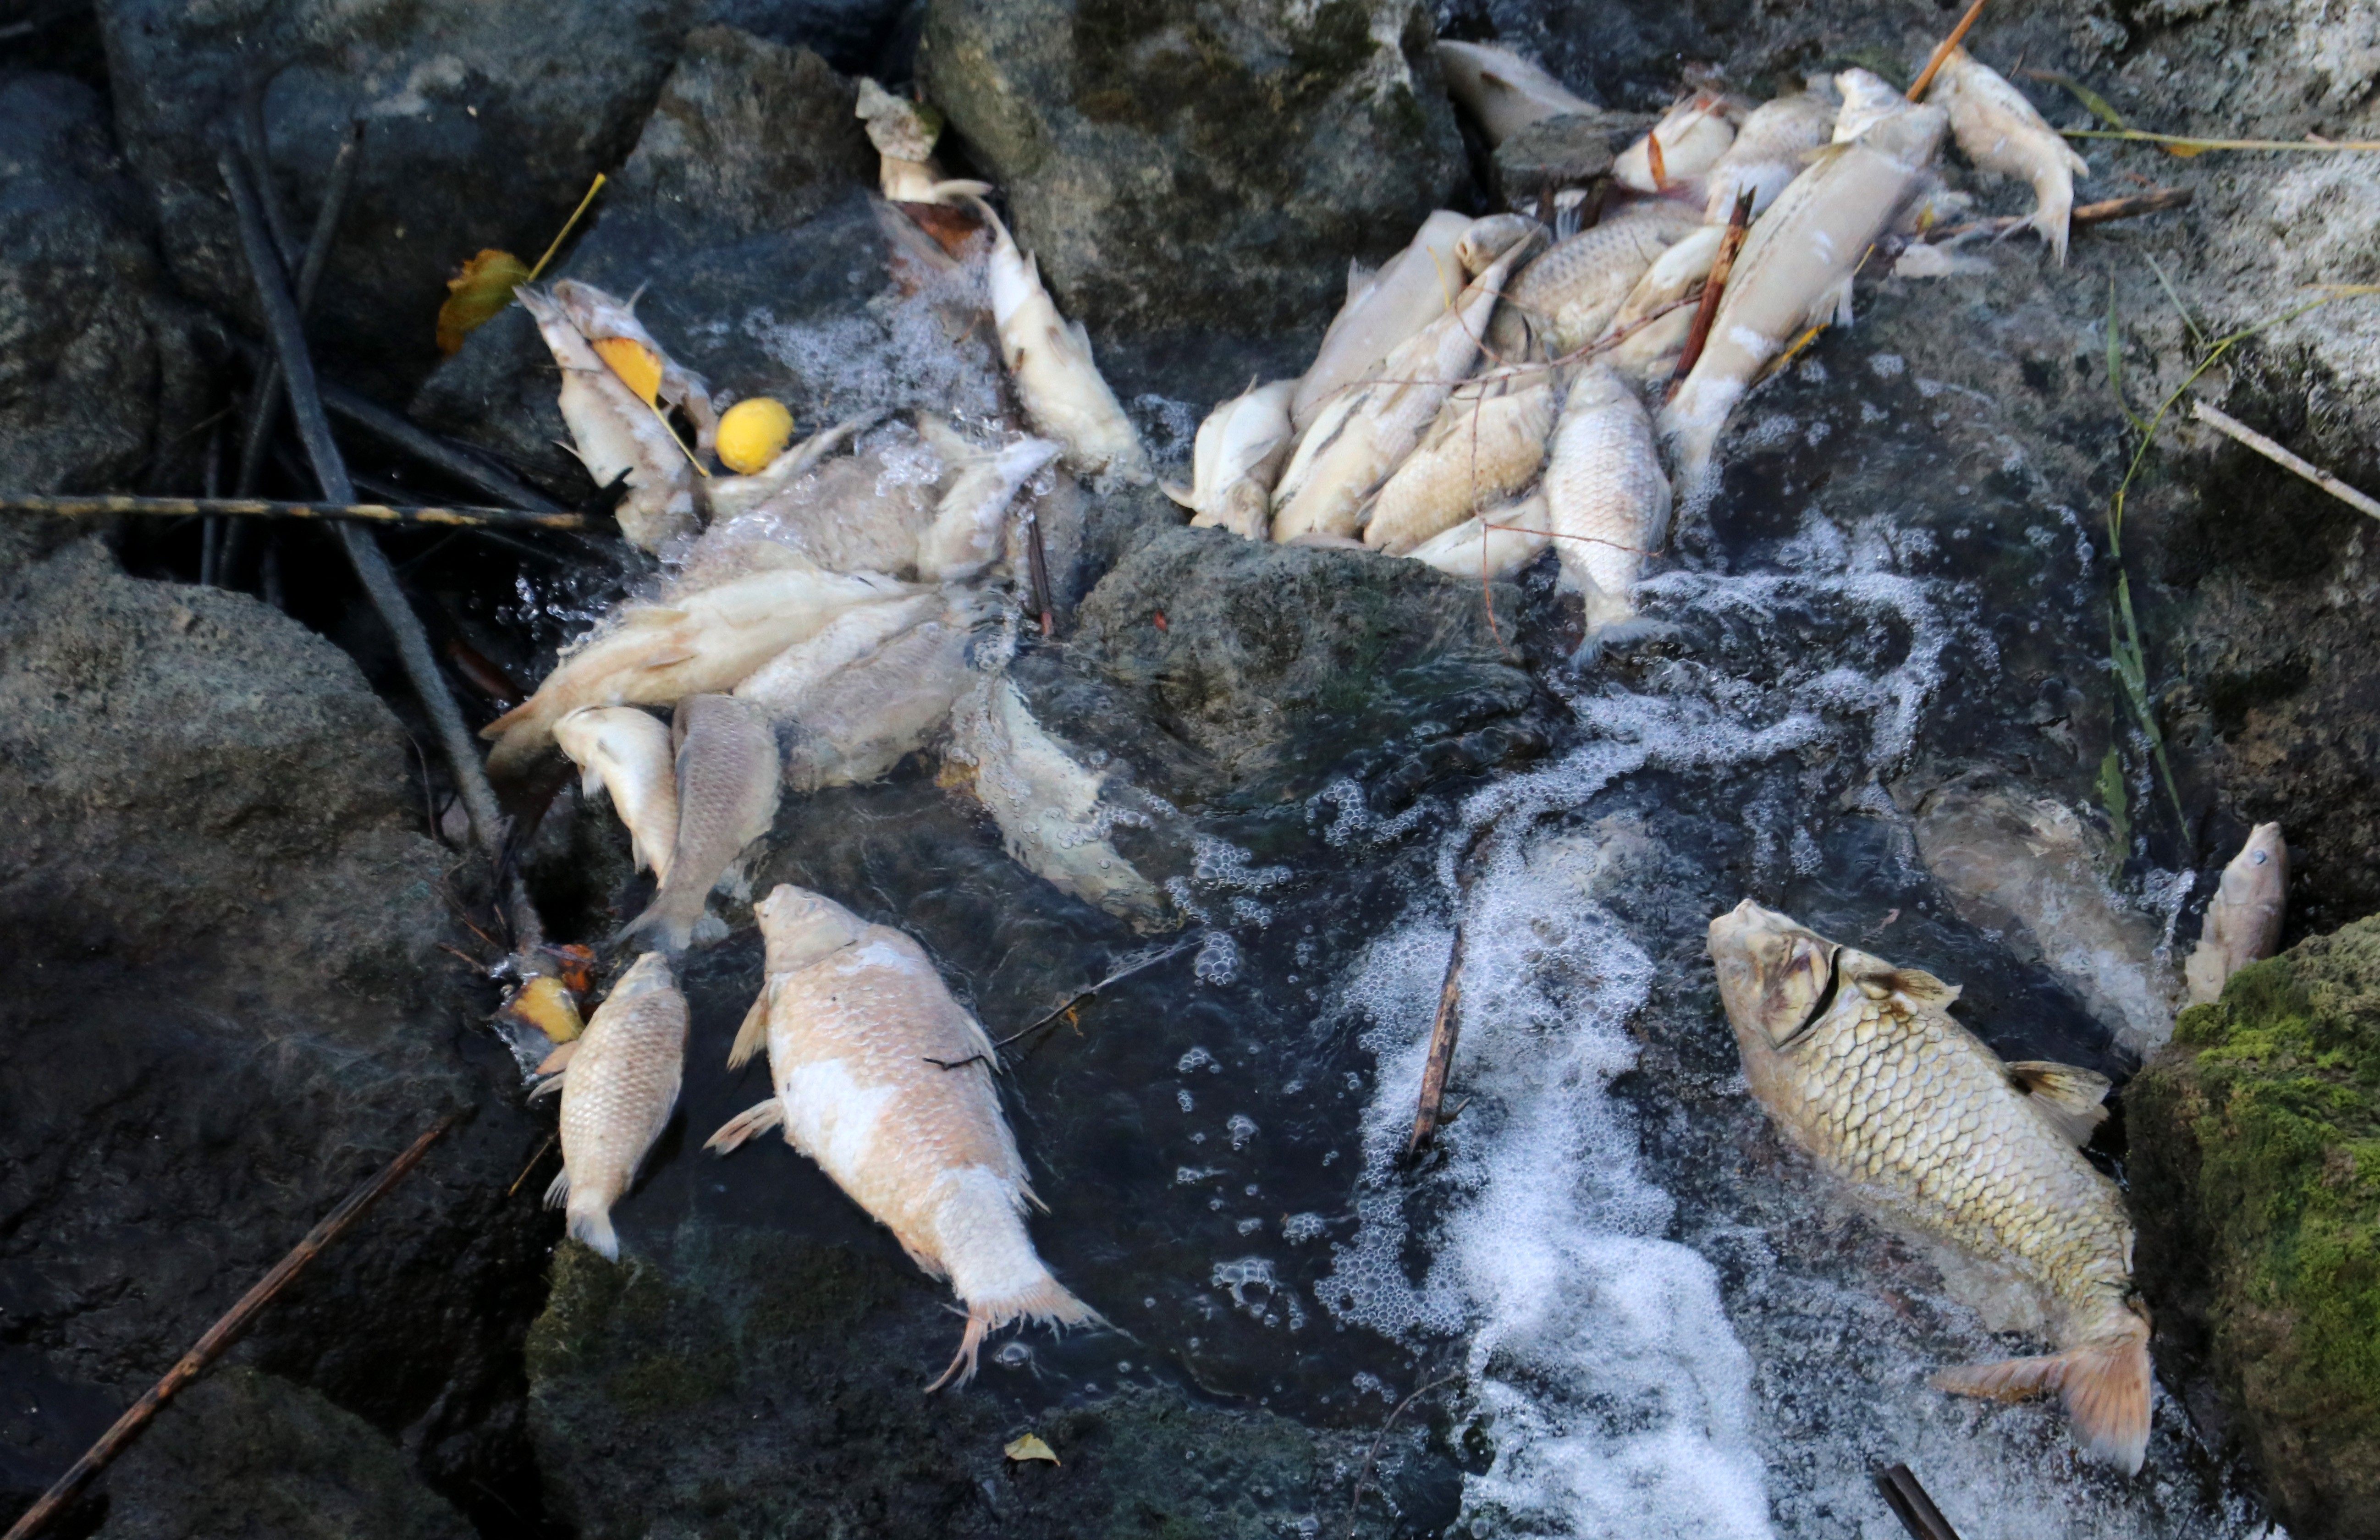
(99, 381)
(2255, 1175)
(1180, 167)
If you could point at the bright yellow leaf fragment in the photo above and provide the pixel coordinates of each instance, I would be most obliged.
(638, 367)
(545, 1004)
(1030, 1447)
(477, 294)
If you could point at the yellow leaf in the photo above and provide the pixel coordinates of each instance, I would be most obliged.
(1030, 1447)
(475, 295)
(638, 367)
(545, 1004)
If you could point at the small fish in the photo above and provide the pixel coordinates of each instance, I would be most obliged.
(615, 432)
(1999, 131)
(627, 752)
(1057, 381)
(606, 321)
(727, 784)
(1868, 99)
(1487, 443)
(1565, 298)
(1497, 543)
(655, 654)
(1770, 149)
(1692, 138)
(1052, 814)
(904, 133)
(779, 684)
(1503, 91)
(854, 700)
(1607, 499)
(1796, 271)
(1861, 1064)
(619, 1082)
(1383, 309)
(886, 1081)
(1238, 455)
(966, 535)
(2243, 918)
(1329, 480)
(1648, 355)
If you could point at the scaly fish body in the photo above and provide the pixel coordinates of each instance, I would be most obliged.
(1387, 417)
(602, 318)
(966, 535)
(1605, 498)
(727, 784)
(1868, 99)
(1999, 130)
(850, 706)
(1236, 459)
(779, 686)
(1677, 273)
(2243, 919)
(619, 1082)
(1567, 296)
(1503, 91)
(1057, 381)
(1796, 271)
(885, 1081)
(614, 432)
(1770, 149)
(1383, 309)
(657, 653)
(627, 752)
(1692, 136)
(1861, 1064)
(1497, 543)
(731, 496)
(1648, 355)
(1488, 443)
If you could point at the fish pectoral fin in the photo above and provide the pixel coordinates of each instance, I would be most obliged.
(1918, 985)
(2073, 1100)
(667, 658)
(753, 1036)
(558, 1191)
(1082, 339)
(2104, 1384)
(756, 1119)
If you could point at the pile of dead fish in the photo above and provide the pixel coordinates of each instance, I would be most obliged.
(1499, 387)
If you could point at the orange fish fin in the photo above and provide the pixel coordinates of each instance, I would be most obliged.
(2106, 1385)
(756, 1119)
(2072, 1099)
(753, 1036)
(555, 1063)
(1924, 987)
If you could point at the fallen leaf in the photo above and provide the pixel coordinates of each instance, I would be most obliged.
(477, 294)
(545, 1004)
(1030, 1447)
(638, 367)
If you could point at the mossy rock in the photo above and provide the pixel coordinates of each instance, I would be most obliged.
(2256, 1183)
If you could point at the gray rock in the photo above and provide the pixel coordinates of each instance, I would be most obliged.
(855, 36)
(1567, 151)
(99, 381)
(243, 1454)
(1178, 166)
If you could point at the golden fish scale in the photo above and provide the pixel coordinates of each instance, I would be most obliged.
(1571, 291)
(1910, 1103)
(622, 1083)
(1478, 453)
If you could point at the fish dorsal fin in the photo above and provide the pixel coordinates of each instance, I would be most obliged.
(753, 1036)
(1082, 339)
(1179, 493)
(1360, 280)
(2073, 1100)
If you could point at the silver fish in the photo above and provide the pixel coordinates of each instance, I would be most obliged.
(972, 515)
(1565, 298)
(2243, 919)
(627, 752)
(1692, 137)
(1999, 130)
(1236, 459)
(1607, 499)
(886, 1082)
(602, 318)
(1503, 91)
(615, 432)
(1488, 443)
(1868, 99)
(1770, 149)
(727, 784)
(848, 718)
(1383, 309)
(619, 1082)
(1497, 543)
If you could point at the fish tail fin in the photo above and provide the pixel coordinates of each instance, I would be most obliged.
(1615, 635)
(1046, 1301)
(516, 744)
(2105, 1386)
(666, 919)
(756, 1119)
(2054, 218)
(943, 192)
(592, 1225)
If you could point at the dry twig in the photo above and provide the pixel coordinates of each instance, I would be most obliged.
(1942, 51)
(255, 507)
(1444, 1032)
(2224, 422)
(1912, 1506)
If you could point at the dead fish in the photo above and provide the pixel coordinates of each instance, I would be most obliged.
(1495, 544)
(1486, 238)
(1692, 138)
(1677, 273)
(615, 432)
(1770, 149)
(1487, 443)
(904, 133)
(1383, 309)
(1607, 499)
(2243, 919)
(969, 521)
(1861, 1065)
(607, 323)
(727, 786)
(1329, 480)
(1052, 814)
(1868, 99)
(1999, 131)
(657, 653)
(854, 699)
(1796, 271)
(619, 1083)
(1237, 455)
(627, 752)
(1648, 355)
(730, 496)
(886, 1081)
(1057, 382)
(779, 686)
(1565, 298)
(1503, 91)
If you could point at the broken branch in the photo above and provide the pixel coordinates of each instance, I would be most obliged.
(2224, 422)
(254, 507)
(1714, 290)
(1443, 1032)
(1912, 1506)
(1942, 51)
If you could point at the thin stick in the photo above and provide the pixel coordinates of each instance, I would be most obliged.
(1912, 1506)
(567, 226)
(531, 1167)
(1444, 1034)
(1372, 1455)
(2132, 207)
(265, 413)
(2192, 146)
(1714, 290)
(256, 507)
(372, 565)
(1942, 51)
(220, 1336)
(1038, 562)
(2224, 422)
(1120, 975)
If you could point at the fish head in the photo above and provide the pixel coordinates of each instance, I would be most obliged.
(2260, 873)
(1777, 976)
(1595, 387)
(649, 975)
(1484, 240)
(800, 927)
(1909, 138)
